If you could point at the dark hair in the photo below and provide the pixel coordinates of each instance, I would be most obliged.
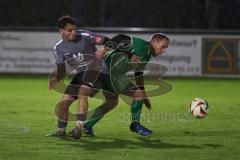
(64, 20)
(159, 36)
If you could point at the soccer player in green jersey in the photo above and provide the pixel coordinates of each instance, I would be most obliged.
(138, 53)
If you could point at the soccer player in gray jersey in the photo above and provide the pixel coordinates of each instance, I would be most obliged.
(77, 49)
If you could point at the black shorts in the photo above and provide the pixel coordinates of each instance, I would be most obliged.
(100, 83)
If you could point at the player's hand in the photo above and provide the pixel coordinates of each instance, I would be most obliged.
(101, 52)
(52, 82)
(147, 103)
(135, 60)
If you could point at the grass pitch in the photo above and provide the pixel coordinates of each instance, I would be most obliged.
(27, 114)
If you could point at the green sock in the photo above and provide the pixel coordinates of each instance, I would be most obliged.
(91, 123)
(136, 110)
(96, 114)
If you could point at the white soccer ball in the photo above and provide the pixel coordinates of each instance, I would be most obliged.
(199, 108)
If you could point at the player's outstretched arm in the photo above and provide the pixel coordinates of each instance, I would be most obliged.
(140, 84)
(147, 103)
(51, 82)
(56, 76)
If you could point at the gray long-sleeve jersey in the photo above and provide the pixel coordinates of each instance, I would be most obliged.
(80, 53)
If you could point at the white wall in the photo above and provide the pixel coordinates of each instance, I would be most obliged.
(31, 52)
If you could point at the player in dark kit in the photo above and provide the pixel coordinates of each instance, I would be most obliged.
(77, 49)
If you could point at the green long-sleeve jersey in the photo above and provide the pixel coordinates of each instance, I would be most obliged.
(141, 49)
(118, 61)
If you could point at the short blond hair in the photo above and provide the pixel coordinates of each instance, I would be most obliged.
(159, 36)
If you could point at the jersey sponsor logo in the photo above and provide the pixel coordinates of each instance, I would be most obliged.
(78, 57)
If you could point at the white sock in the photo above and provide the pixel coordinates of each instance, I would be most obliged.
(79, 124)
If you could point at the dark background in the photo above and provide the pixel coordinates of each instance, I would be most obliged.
(194, 14)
